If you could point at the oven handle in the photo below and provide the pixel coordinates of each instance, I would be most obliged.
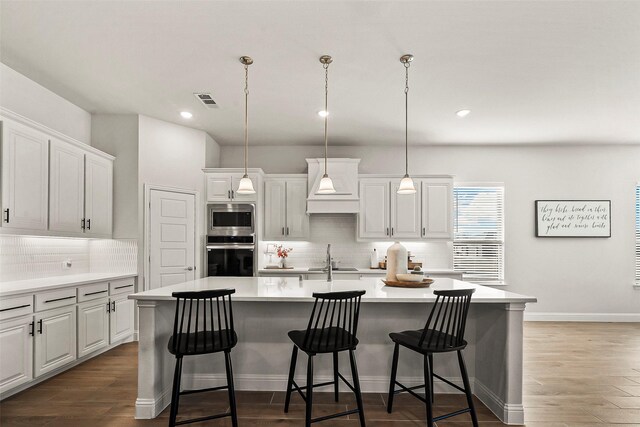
(251, 247)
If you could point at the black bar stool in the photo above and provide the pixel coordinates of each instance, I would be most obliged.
(443, 332)
(203, 324)
(332, 328)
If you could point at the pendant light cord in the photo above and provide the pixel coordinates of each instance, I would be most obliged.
(326, 111)
(406, 119)
(246, 117)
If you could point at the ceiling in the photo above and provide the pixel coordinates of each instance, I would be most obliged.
(532, 72)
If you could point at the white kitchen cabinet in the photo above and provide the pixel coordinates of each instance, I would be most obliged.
(373, 219)
(66, 187)
(222, 187)
(98, 199)
(25, 176)
(405, 214)
(285, 213)
(437, 208)
(16, 352)
(55, 339)
(93, 326)
(121, 317)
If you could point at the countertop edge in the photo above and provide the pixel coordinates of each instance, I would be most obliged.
(59, 283)
(526, 300)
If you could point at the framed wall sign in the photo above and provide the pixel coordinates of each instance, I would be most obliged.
(573, 218)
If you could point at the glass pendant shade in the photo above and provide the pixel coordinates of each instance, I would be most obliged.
(406, 186)
(326, 185)
(245, 186)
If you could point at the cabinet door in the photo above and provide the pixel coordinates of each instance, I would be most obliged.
(297, 220)
(235, 181)
(218, 188)
(437, 208)
(121, 318)
(373, 220)
(25, 177)
(405, 214)
(93, 326)
(275, 205)
(55, 339)
(16, 352)
(98, 196)
(66, 187)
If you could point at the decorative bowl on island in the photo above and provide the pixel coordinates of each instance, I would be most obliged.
(409, 277)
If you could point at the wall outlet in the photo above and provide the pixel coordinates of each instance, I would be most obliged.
(66, 264)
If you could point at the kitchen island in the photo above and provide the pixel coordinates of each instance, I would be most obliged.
(266, 308)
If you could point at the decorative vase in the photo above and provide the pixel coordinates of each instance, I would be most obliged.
(396, 261)
(283, 263)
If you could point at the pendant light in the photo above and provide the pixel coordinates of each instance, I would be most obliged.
(246, 186)
(326, 185)
(406, 184)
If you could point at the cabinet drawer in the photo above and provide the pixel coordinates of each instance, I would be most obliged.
(55, 299)
(122, 286)
(17, 306)
(89, 292)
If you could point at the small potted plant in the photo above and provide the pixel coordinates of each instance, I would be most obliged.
(283, 253)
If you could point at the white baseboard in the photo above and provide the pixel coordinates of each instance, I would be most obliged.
(151, 408)
(509, 414)
(581, 317)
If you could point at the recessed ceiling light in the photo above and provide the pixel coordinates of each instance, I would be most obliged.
(323, 113)
(463, 113)
(186, 114)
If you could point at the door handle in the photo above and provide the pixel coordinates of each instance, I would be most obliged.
(189, 268)
(6, 211)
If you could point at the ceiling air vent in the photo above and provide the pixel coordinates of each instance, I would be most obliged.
(206, 99)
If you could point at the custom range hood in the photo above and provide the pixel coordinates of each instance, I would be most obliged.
(344, 173)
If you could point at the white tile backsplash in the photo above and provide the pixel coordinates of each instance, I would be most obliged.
(340, 230)
(26, 257)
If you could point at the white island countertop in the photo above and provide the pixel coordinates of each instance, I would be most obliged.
(291, 289)
(372, 271)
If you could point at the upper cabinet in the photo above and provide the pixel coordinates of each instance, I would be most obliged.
(25, 177)
(52, 185)
(285, 209)
(223, 187)
(386, 215)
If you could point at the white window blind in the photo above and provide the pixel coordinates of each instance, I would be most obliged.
(478, 245)
(638, 234)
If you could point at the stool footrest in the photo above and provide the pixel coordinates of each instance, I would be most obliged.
(197, 420)
(449, 382)
(339, 414)
(452, 414)
(202, 390)
(346, 382)
(410, 391)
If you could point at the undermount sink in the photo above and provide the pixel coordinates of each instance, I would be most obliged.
(335, 269)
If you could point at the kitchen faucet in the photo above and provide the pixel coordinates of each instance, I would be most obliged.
(329, 267)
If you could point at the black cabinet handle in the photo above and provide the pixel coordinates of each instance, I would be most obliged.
(113, 307)
(233, 194)
(15, 308)
(424, 231)
(32, 327)
(228, 194)
(287, 231)
(6, 211)
(108, 307)
(283, 231)
(392, 231)
(124, 286)
(88, 224)
(59, 299)
(387, 233)
(95, 293)
(82, 223)
(40, 326)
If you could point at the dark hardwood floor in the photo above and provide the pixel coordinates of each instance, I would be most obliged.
(576, 374)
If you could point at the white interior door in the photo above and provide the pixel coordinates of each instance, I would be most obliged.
(172, 238)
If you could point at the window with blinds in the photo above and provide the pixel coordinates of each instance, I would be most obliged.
(478, 245)
(638, 234)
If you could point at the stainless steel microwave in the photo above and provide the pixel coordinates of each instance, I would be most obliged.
(231, 219)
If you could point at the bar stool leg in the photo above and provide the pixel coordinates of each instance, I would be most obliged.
(467, 389)
(309, 394)
(231, 389)
(431, 364)
(292, 371)
(427, 384)
(356, 385)
(392, 382)
(335, 375)
(175, 395)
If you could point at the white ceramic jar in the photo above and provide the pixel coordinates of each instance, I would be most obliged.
(396, 261)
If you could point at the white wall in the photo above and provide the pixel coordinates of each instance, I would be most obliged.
(27, 98)
(118, 136)
(213, 153)
(567, 275)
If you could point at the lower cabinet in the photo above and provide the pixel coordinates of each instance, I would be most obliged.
(55, 339)
(121, 317)
(16, 352)
(93, 326)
